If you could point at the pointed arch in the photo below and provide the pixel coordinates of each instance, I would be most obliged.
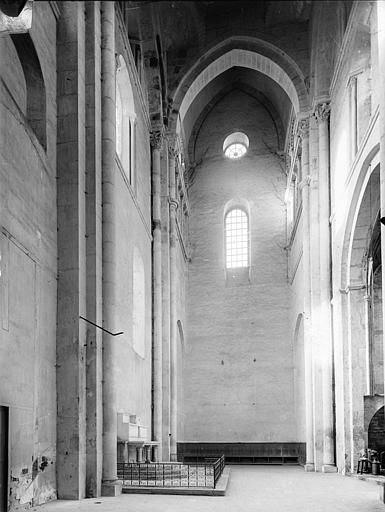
(240, 51)
(36, 95)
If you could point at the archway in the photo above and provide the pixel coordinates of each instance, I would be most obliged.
(244, 52)
(34, 80)
(376, 431)
(356, 314)
(375, 323)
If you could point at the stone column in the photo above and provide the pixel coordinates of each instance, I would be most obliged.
(94, 251)
(173, 310)
(139, 454)
(315, 293)
(165, 214)
(322, 113)
(303, 130)
(381, 92)
(156, 144)
(71, 330)
(110, 486)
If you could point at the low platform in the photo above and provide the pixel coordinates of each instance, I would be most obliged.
(220, 489)
(244, 453)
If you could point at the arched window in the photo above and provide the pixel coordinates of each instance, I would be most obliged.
(34, 80)
(125, 121)
(237, 238)
(236, 145)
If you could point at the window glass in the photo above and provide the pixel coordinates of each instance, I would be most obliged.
(236, 145)
(237, 239)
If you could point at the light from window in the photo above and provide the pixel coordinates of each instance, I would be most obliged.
(237, 239)
(125, 122)
(235, 151)
(235, 145)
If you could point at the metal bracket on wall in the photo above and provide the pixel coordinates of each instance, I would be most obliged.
(102, 328)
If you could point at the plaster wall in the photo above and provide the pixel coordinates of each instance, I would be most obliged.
(182, 338)
(238, 370)
(28, 271)
(295, 329)
(133, 367)
(350, 171)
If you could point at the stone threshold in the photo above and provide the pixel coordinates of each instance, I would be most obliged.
(220, 489)
(368, 477)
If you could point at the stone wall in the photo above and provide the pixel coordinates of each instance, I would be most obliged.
(28, 268)
(238, 372)
(134, 236)
(354, 175)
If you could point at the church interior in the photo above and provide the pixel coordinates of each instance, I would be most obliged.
(193, 195)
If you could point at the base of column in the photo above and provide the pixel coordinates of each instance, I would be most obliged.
(329, 468)
(309, 467)
(381, 488)
(173, 457)
(113, 488)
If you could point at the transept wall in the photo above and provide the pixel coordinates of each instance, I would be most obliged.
(116, 299)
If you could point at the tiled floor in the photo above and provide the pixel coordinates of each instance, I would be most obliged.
(251, 489)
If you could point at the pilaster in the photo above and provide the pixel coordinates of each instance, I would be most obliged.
(110, 485)
(322, 113)
(381, 75)
(303, 133)
(94, 251)
(173, 306)
(156, 140)
(71, 331)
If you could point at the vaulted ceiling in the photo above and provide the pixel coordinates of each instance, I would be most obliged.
(188, 36)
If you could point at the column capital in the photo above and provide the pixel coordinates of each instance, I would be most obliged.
(172, 152)
(322, 112)
(303, 129)
(156, 139)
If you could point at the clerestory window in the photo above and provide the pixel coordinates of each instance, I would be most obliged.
(236, 145)
(125, 122)
(237, 238)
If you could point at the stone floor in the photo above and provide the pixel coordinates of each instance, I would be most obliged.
(251, 489)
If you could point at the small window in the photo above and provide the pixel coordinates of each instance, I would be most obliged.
(125, 122)
(235, 145)
(237, 238)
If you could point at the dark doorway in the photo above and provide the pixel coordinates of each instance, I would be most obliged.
(3, 458)
(376, 431)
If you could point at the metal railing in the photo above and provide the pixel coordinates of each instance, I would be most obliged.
(175, 474)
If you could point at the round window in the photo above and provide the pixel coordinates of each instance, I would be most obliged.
(235, 145)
